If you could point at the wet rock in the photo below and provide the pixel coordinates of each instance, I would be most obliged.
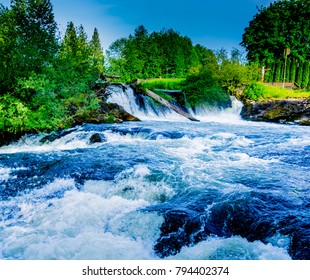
(55, 135)
(107, 113)
(118, 112)
(96, 138)
(6, 138)
(295, 111)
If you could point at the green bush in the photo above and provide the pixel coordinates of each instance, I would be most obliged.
(202, 88)
(13, 115)
(233, 76)
(255, 91)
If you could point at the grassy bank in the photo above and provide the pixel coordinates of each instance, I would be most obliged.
(168, 84)
(261, 92)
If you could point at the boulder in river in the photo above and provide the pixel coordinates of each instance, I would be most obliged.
(96, 138)
(107, 113)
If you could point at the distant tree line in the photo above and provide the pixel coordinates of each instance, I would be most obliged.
(159, 54)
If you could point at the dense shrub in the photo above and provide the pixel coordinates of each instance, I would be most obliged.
(202, 88)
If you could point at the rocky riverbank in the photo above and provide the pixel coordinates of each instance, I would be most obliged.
(294, 111)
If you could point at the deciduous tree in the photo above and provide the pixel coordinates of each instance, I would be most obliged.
(283, 24)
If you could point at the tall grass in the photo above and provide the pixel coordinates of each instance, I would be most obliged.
(168, 84)
(261, 92)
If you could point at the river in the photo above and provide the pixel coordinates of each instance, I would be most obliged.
(162, 188)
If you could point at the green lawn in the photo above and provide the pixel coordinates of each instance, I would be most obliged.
(260, 92)
(168, 84)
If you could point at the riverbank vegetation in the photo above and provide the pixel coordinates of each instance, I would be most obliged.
(46, 81)
(259, 92)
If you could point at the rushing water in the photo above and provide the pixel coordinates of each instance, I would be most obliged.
(219, 189)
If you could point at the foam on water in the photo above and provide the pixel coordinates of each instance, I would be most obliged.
(77, 225)
(132, 184)
(234, 248)
(31, 143)
(5, 173)
(212, 114)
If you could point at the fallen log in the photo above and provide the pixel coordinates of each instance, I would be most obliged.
(164, 102)
(105, 76)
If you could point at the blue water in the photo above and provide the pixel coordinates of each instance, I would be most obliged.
(158, 190)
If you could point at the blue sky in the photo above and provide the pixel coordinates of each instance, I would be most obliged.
(212, 23)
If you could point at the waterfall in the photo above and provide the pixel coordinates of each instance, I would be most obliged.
(214, 114)
(141, 106)
(146, 108)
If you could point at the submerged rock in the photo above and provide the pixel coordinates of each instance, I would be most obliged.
(96, 138)
(281, 111)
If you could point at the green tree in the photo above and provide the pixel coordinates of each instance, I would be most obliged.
(270, 72)
(160, 54)
(97, 55)
(288, 69)
(283, 24)
(299, 74)
(70, 41)
(203, 88)
(221, 56)
(235, 76)
(28, 41)
(76, 52)
(293, 70)
(7, 49)
(278, 73)
(305, 74)
(36, 43)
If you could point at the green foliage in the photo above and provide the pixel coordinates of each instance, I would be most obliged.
(306, 74)
(160, 54)
(260, 92)
(233, 75)
(202, 88)
(288, 69)
(168, 84)
(293, 70)
(7, 49)
(36, 41)
(278, 76)
(255, 91)
(299, 73)
(283, 24)
(13, 114)
(39, 78)
(204, 58)
(85, 105)
(97, 57)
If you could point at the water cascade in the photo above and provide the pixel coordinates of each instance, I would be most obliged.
(146, 108)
